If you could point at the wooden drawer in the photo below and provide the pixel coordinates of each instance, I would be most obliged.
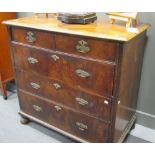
(75, 123)
(96, 106)
(96, 77)
(33, 37)
(97, 49)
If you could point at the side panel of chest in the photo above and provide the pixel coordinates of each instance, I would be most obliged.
(130, 73)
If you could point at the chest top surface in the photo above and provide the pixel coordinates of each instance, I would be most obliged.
(99, 29)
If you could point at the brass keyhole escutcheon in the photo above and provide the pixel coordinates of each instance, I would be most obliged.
(55, 57)
(57, 86)
(58, 108)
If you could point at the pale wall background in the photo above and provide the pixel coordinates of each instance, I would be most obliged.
(146, 99)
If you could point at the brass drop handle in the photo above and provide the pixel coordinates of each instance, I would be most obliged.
(37, 108)
(57, 86)
(58, 108)
(32, 60)
(35, 85)
(82, 46)
(30, 37)
(82, 73)
(81, 126)
(55, 57)
(81, 101)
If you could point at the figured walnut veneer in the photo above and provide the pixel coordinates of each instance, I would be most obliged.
(81, 81)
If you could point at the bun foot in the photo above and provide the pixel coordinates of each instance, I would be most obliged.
(5, 97)
(24, 120)
(133, 126)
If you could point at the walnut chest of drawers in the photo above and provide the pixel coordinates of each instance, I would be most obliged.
(79, 80)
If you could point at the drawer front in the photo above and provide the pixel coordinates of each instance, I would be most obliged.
(75, 123)
(33, 37)
(97, 49)
(83, 74)
(96, 106)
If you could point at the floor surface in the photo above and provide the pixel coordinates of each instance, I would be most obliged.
(12, 131)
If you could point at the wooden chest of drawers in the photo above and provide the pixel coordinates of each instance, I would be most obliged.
(83, 85)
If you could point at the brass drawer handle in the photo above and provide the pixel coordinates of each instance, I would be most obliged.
(81, 101)
(82, 46)
(35, 85)
(32, 60)
(30, 37)
(81, 126)
(55, 57)
(37, 108)
(58, 108)
(57, 86)
(82, 73)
